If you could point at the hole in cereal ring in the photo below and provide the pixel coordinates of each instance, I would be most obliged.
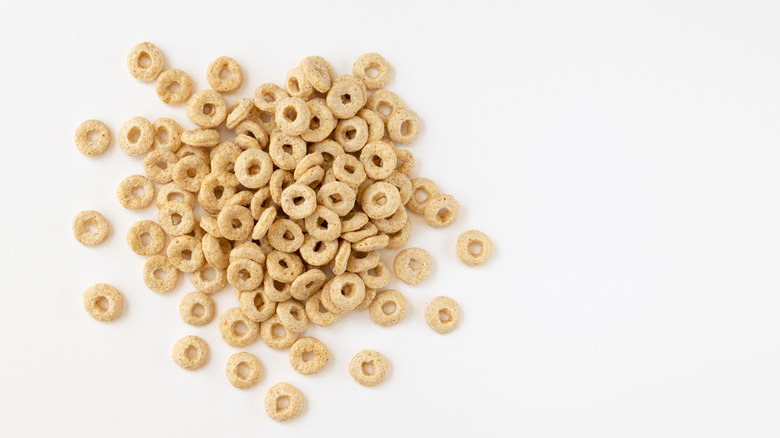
(475, 248)
(175, 218)
(278, 331)
(92, 135)
(173, 196)
(101, 303)
(145, 238)
(290, 114)
(278, 285)
(377, 160)
(292, 84)
(295, 314)
(91, 226)
(322, 223)
(346, 99)
(383, 108)
(282, 403)
(208, 108)
(287, 149)
(243, 370)
(197, 309)
(349, 168)
(161, 164)
(144, 60)
(444, 315)
(347, 290)
(269, 97)
(414, 264)
(159, 274)
(380, 199)
(218, 191)
(420, 195)
(162, 135)
(253, 169)
(265, 116)
(372, 71)
(243, 274)
(191, 173)
(239, 328)
(288, 235)
(207, 274)
(388, 307)
(174, 87)
(259, 301)
(319, 246)
(225, 73)
(191, 352)
(298, 200)
(235, 223)
(368, 368)
(283, 263)
(321, 308)
(405, 127)
(133, 134)
(186, 254)
(137, 191)
(350, 134)
(336, 198)
(307, 356)
(314, 123)
(443, 214)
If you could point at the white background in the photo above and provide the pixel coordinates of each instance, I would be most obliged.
(623, 156)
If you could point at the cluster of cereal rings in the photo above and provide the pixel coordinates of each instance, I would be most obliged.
(296, 208)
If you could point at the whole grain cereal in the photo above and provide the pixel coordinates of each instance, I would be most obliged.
(92, 137)
(159, 274)
(298, 355)
(368, 367)
(197, 309)
(173, 86)
(158, 165)
(443, 314)
(136, 136)
(483, 244)
(279, 392)
(236, 329)
(209, 279)
(90, 227)
(103, 302)
(413, 265)
(441, 211)
(129, 186)
(200, 137)
(233, 370)
(190, 352)
(423, 190)
(292, 315)
(234, 74)
(298, 85)
(167, 134)
(186, 253)
(145, 61)
(176, 218)
(206, 108)
(388, 308)
(363, 66)
(269, 335)
(146, 238)
(256, 305)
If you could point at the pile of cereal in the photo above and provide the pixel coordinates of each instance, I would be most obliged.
(291, 211)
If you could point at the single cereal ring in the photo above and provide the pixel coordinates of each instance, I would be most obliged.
(372, 243)
(136, 136)
(303, 364)
(380, 200)
(158, 165)
(317, 313)
(190, 172)
(337, 197)
(248, 250)
(339, 263)
(292, 116)
(280, 180)
(206, 108)
(321, 123)
(223, 165)
(347, 291)
(385, 103)
(267, 95)
(235, 222)
(173, 86)
(369, 368)
(186, 253)
(400, 238)
(167, 134)
(269, 333)
(378, 160)
(90, 227)
(369, 298)
(176, 218)
(209, 279)
(376, 277)
(323, 224)
(216, 250)
(190, 352)
(198, 232)
(297, 85)
(197, 308)
(362, 67)
(352, 133)
(242, 198)
(298, 201)
(412, 265)
(306, 284)
(171, 192)
(425, 187)
(209, 224)
(103, 302)
(189, 150)
(292, 315)
(92, 137)
(443, 314)
(404, 162)
(136, 61)
(285, 235)
(330, 149)
(403, 126)
(283, 266)
(388, 308)
(146, 238)
(239, 112)
(233, 79)
(317, 72)
(200, 137)
(256, 305)
(167, 278)
(252, 133)
(253, 168)
(245, 274)
(345, 97)
(403, 184)
(367, 230)
(264, 118)
(308, 162)
(279, 146)
(349, 170)
(213, 195)
(230, 326)
(376, 127)
(261, 201)
(483, 249)
(264, 223)
(318, 253)
(393, 223)
(326, 300)
(362, 261)
(353, 221)
(239, 360)
(131, 184)
(276, 290)
(441, 211)
(279, 392)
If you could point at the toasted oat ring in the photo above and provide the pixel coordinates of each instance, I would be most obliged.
(474, 237)
(209, 224)
(162, 285)
(137, 54)
(214, 71)
(376, 126)
(380, 200)
(330, 149)
(268, 335)
(319, 316)
(403, 126)
(81, 227)
(154, 234)
(213, 195)
(400, 238)
(267, 95)
(223, 165)
(206, 108)
(158, 165)
(235, 222)
(168, 78)
(369, 298)
(318, 72)
(306, 284)
(126, 188)
(190, 172)
(183, 347)
(245, 274)
(281, 391)
(167, 134)
(183, 246)
(253, 133)
(349, 170)
(359, 367)
(136, 136)
(253, 168)
(101, 140)
(403, 265)
(173, 211)
(216, 250)
(248, 250)
(425, 186)
(347, 291)
(326, 301)
(256, 305)
(321, 123)
(264, 223)
(394, 223)
(404, 162)
(376, 277)
(351, 133)
(298, 201)
(285, 235)
(308, 345)
(434, 207)
(280, 180)
(283, 266)
(369, 61)
(260, 201)
(362, 261)
(229, 326)
(216, 283)
(367, 230)
(311, 160)
(345, 97)
(297, 85)
(98, 293)
(323, 224)
(352, 221)
(292, 315)
(317, 253)
(383, 316)
(188, 150)
(337, 197)
(403, 184)
(283, 159)
(200, 137)
(443, 314)
(197, 308)
(274, 289)
(385, 103)
(233, 372)
(339, 263)
(372, 243)
(239, 112)
(378, 160)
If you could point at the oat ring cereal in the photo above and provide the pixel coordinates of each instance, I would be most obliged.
(173, 86)
(298, 201)
(176, 218)
(146, 238)
(167, 134)
(369, 368)
(256, 305)
(316, 252)
(158, 165)
(268, 332)
(425, 187)
(403, 126)
(306, 284)
(479, 239)
(145, 61)
(186, 253)
(159, 274)
(318, 313)
(323, 224)
(103, 302)
(209, 279)
(441, 211)
(298, 355)
(214, 74)
(129, 186)
(239, 112)
(317, 72)
(292, 315)
(337, 197)
(245, 274)
(267, 95)
(349, 170)
(412, 265)
(286, 151)
(380, 200)
(285, 235)
(253, 168)
(363, 66)
(274, 397)
(92, 137)
(235, 222)
(385, 103)
(200, 137)
(292, 116)
(206, 108)
(351, 133)
(378, 159)
(345, 97)
(297, 85)
(171, 192)
(190, 352)
(388, 308)
(197, 309)
(136, 136)
(347, 291)
(322, 121)
(90, 227)
(443, 314)
(264, 223)
(236, 329)
(284, 266)
(233, 370)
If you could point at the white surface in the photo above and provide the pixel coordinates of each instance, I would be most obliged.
(623, 158)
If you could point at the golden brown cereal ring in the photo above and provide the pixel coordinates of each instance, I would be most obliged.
(376, 127)
(349, 170)
(242, 198)
(353, 221)
(213, 195)
(278, 150)
(223, 166)
(321, 123)
(132, 184)
(301, 363)
(209, 279)
(403, 184)
(176, 218)
(425, 187)
(380, 200)
(171, 192)
(388, 308)
(279, 392)
(274, 289)
(368, 61)
(197, 308)
(197, 232)
(306, 284)
(264, 223)
(248, 250)
(187, 346)
(225, 145)
(239, 112)
(245, 274)
(323, 224)
(317, 253)
(186, 253)
(317, 72)
(190, 172)
(441, 211)
(206, 108)
(352, 134)
(170, 93)
(312, 177)
(257, 136)
(188, 150)
(216, 250)
(412, 265)
(400, 238)
(167, 134)
(298, 201)
(403, 126)
(167, 278)
(158, 165)
(96, 129)
(345, 97)
(209, 224)
(103, 302)
(339, 264)
(319, 314)
(443, 314)
(330, 149)
(260, 201)
(385, 103)
(483, 243)
(249, 360)
(362, 261)
(267, 95)
(235, 222)
(404, 162)
(136, 136)
(200, 137)
(308, 162)
(256, 305)
(90, 227)
(337, 197)
(253, 168)
(285, 235)
(369, 368)
(292, 315)
(369, 298)
(367, 230)
(393, 223)
(233, 79)
(268, 334)
(280, 180)
(284, 266)
(146, 238)
(372, 243)
(297, 85)
(264, 118)
(136, 61)
(292, 116)
(378, 160)
(230, 327)
(376, 277)
(347, 291)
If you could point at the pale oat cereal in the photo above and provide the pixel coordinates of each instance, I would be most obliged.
(400, 238)
(380, 200)
(376, 277)
(200, 137)
(269, 333)
(136, 136)
(317, 72)
(319, 314)
(253, 168)
(337, 197)
(131, 184)
(216, 250)
(223, 166)
(158, 165)
(159, 274)
(213, 195)
(353, 221)
(280, 180)
(413, 265)
(441, 211)
(372, 61)
(92, 128)
(279, 392)
(245, 274)
(367, 300)
(173, 86)
(378, 159)
(283, 266)
(369, 368)
(239, 112)
(248, 250)
(330, 149)
(236, 329)
(479, 239)
(167, 134)
(249, 360)
(351, 133)
(197, 308)
(103, 302)
(137, 60)
(209, 279)
(349, 170)
(298, 201)
(404, 162)
(256, 305)
(146, 238)
(278, 146)
(339, 263)
(372, 243)
(176, 218)
(190, 352)
(403, 126)
(301, 363)
(347, 291)
(376, 127)
(297, 85)
(267, 95)
(206, 108)
(443, 314)
(188, 150)
(292, 315)
(264, 223)
(90, 227)
(306, 284)
(388, 308)
(423, 190)
(345, 97)
(362, 261)
(323, 224)
(276, 290)
(385, 103)
(261, 201)
(318, 253)
(235, 222)
(234, 77)
(404, 186)
(367, 230)
(242, 198)
(186, 253)
(393, 223)
(285, 235)
(322, 121)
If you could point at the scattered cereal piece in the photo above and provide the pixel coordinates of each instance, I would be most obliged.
(159, 274)
(234, 74)
(90, 227)
(443, 314)
(484, 248)
(276, 396)
(369, 368)
(173, 86)
(301, 363)
(237, 330)
(103, 302)
(145, 61)
(92, 137)
(197, 308)
(441, 211)
(413, 265)
(233, 370)
(136, 136)
(146, 238)
(190, 352)
(388, 308)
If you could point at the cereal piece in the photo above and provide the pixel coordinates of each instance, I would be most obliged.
(441, 211)
(404, 162)
(132, 184)
(146, 238)
(137, 60)
(264, 223)
(251, 134)
(443, 314)
(173, 86)
(369, 368)
(278, 146)
(261, 201)
(323, 224)
(200, 137)
(176, 218)
(403, 184)
(330, 149)
(312, 346)
(167, 134)
(306, 284)
(292, 315)
(399, 239)
(269, 333)
(413, 265)
(190, 352)
(186, 253)
(366, 231)
(378, 159)
(280, 180)
(385, 103)
(239, 112)
(209, 224)
(209, 279)
(347, 291)
(403, 126)
(351, 133)
(267, 95)
(317, 72)
(235, 222)
(285, 235)
(321, 123)
(283, 266)
(216, 250)
(103, 302)
(223, 165)
(362, 261)
(339, 264)
(297, 85)
(92, 137)
(253, 168)
(159, 274)
(158, 165)
(367, 300)
(190, 172)
(317, 253)
(318, 313)
(298, 201)
(372, 243)
(393, 223)
(376, 127)
(345, 97)
(380, 200)
(234, 76)
(197, 308)
(213, 195)
(311, 160)
(337, 197)
(274, 397)
(206, 108)
(136, 136)
(388, 308)
(245, 274)
(376, 277)
(425, 187)
(275, 290)
(242, 198)
(256, 305)
(243, 359)
(248, 250)
(363, 66)
(483, 248)
(349, 170)
(90, 227)
(353, 221)
(189, 150)
(236, 329)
